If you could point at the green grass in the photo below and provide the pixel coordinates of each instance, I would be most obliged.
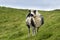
(13, 27)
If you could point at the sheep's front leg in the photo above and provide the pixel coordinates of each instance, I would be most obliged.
(33, 31)
(28, 30)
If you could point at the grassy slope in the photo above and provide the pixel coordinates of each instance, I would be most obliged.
(12, 25)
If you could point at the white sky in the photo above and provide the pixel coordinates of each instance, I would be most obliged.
(33, 4)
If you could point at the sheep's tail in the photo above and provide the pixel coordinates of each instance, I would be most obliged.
(42, 21)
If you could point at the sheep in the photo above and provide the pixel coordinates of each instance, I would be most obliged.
(34, 20)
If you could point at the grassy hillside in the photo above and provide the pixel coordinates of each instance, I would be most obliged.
(13, 27)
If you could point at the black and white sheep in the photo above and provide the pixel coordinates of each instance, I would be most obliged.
(34, 20)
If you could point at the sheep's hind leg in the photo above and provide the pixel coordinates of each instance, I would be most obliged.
(37, 29)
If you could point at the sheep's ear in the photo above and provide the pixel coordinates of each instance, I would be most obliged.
(34, 10)
(29, 10)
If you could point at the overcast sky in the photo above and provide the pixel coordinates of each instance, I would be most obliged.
(33, 4)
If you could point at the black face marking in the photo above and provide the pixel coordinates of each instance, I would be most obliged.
(30, 15)
(32, 22)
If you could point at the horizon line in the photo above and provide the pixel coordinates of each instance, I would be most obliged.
(28, 8)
